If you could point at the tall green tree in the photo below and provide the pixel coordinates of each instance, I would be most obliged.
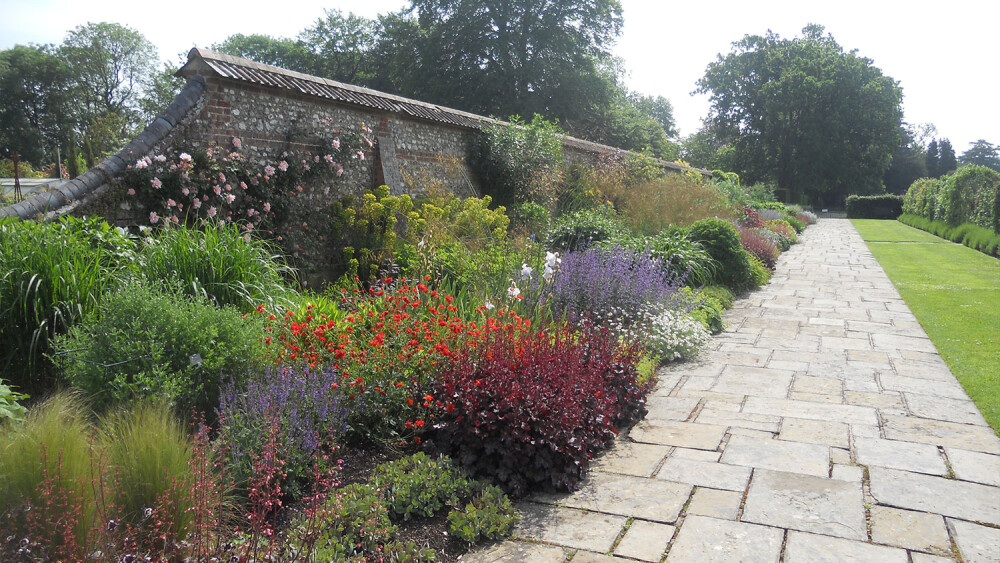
(947, 161)
(982, 153)
(342, 46)
(505, 57)
(933, 159)
(802, 112)
(285, 53)
(908, 163)
(113, 66)
(33, 104)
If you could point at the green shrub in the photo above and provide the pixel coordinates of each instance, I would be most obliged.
(722, 241)
(142, 342)
(530, 217)
(489, 516)
(10, 409)
(920, 198)
(761, 273)
(418, 485)
(970, 194)
(51, 276)
(216, 263)
(519, 160)
(356, 523)
(585, 228)
(796, 223)
(886, 206)
(718, 293)
(708, 310)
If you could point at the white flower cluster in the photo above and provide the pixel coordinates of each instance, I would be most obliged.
(552, 262)
(674, 335)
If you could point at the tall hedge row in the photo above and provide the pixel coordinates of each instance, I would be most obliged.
(970, 195)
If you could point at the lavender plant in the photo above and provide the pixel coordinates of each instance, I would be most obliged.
(615, 281)
(305, 404)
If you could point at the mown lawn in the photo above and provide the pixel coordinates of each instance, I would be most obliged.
(954, 292)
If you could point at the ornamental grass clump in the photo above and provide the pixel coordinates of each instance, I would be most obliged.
(597, 281)
(304, 406)
(529, 411)
(51, 276)
(219, 263)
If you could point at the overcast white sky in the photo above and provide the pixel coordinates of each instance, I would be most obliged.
(944, 54)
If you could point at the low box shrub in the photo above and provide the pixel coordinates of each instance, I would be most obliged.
(886, 206)
(722, 241)
(975, 237)
(531, 411)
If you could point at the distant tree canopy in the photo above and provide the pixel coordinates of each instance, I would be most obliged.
(983, 154)
(492, 57)
(820, 122)
(88, 95)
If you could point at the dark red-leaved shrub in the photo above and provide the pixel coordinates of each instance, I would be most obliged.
(751, 219)
(755, 243)
(529, 411)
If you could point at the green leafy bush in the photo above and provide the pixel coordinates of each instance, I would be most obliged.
(585, 228)
(10, 409)
(142, 342)
(970, 195)
(519, 160)
(217, 263)
(489, 516)
(722, 241)
(419, 485)
(798, 224)
(920, 199)
(760, 272)
(708, 309)
(885, 206)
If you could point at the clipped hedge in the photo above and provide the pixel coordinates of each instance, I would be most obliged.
(886, 206)
(969, 234)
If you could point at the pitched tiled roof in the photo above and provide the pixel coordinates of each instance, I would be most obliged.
(245, 70)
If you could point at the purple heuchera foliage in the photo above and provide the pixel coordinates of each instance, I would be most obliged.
(308, 406)
(616, 279)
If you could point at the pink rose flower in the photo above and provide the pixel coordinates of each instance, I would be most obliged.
(153, 217)
(237, 142)
(212, 211)
(283, 166)
(131, 191)
(157, 184)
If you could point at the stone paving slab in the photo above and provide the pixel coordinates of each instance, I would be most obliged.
(960, 499)
(976, 543)
(807, 503)
(975, 466)
(645, 541)
(822, 425)
(650, 499)
(711, 540)
(683, 434)
(812, 548)
(568, 527)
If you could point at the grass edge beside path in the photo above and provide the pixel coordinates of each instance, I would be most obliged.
(954, 292)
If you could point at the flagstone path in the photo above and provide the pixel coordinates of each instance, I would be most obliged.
(821, 426)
